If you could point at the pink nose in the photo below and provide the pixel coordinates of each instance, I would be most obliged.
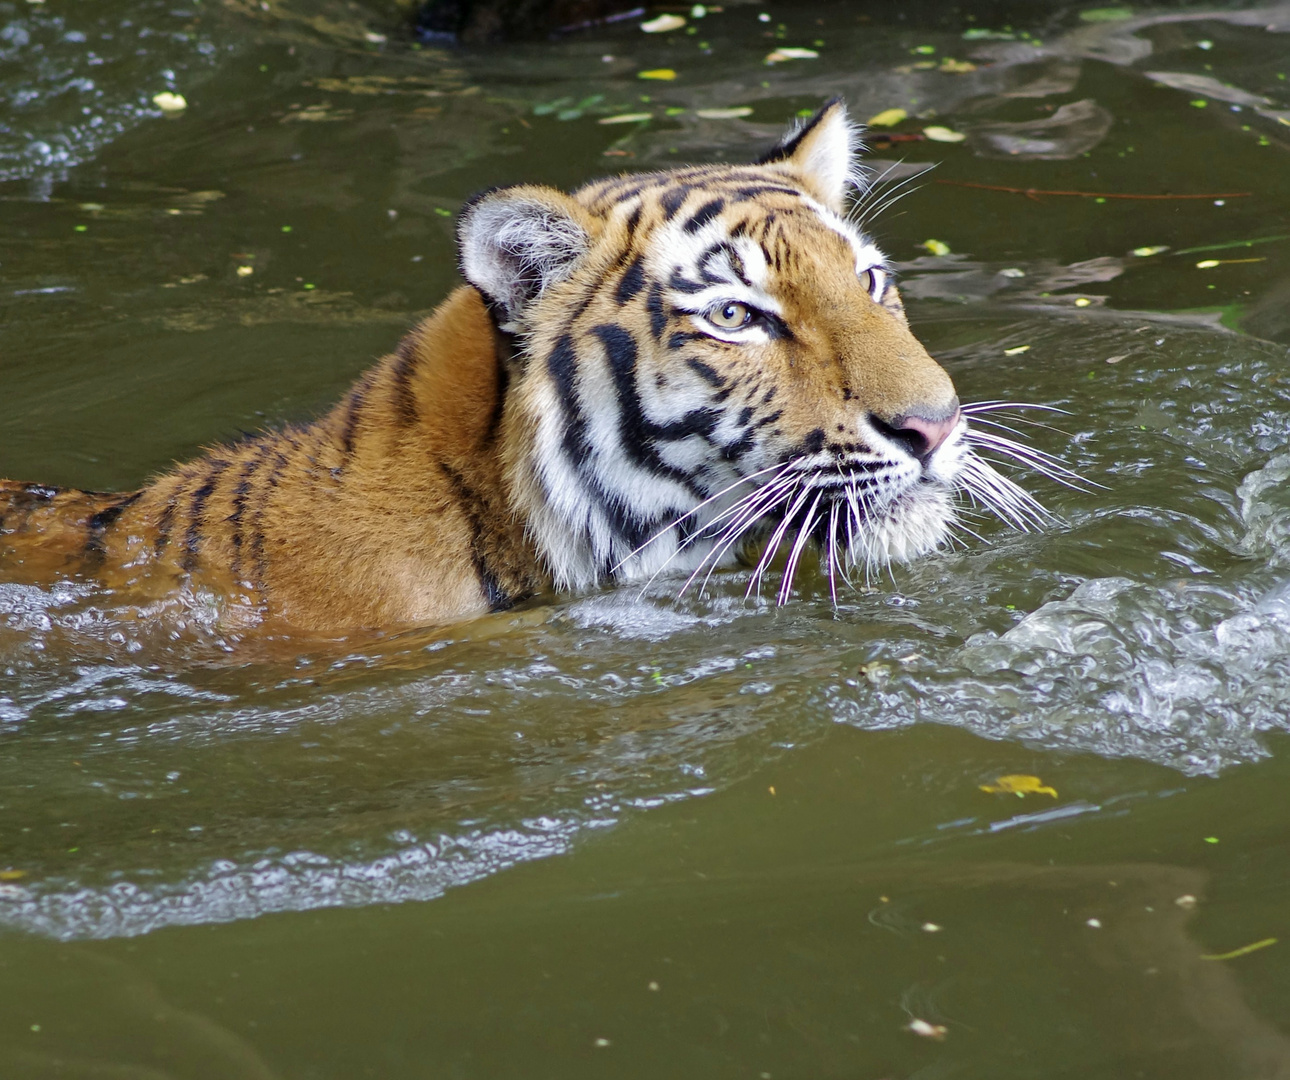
(919, 434)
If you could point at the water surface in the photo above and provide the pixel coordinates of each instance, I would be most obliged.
(624, 833)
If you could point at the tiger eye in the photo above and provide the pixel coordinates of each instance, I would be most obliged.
(730, 316)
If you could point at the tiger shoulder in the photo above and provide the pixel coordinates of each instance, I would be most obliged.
(647, 376)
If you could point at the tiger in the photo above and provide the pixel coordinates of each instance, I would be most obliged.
(641, 378)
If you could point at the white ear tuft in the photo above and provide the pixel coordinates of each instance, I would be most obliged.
(515, 243)
(824, 152)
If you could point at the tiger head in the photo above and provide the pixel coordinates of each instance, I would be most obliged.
(707, 354)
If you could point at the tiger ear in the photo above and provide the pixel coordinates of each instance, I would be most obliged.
(515, 243)
(824, 153)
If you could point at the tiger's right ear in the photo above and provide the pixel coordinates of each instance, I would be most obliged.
(516, 242)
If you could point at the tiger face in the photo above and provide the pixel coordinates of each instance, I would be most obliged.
(710, 354)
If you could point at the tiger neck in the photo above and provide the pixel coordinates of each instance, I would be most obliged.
(594, 513)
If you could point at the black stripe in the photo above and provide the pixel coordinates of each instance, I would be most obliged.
(633, 222)
(471, 504)
(753, 192)
(257, 529)
(562, 363)
(353, 413)
(685, 285)
(197, 510)
(673, 199)
(657, 316)
(405, 401)
(98, 524)
(240, 492)
(637, 431)
(166, 518)
(706, 371)
(704, 214)
(632, 281)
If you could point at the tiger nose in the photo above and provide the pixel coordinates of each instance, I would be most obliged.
(920, 435)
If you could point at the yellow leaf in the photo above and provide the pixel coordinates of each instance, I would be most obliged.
(1147, 252)
(1016, 350)
(1020, 785)
(723, 114)
(1244, 950)
(663, 24)
(957, 67)
(12, 875)
(662, 74)
(943, 134)
(936, 247)
(625, 118)
(888, 118)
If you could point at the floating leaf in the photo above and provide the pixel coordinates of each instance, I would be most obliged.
(1207, 264)
(988, 35)
(661, 74)
(780, 55)
(956, 67)
(169, 103)
(928, 1031)
(1020, 785)
(12, 875)
(1242, 951)
(1016, 350)
(936, 247)
(888, 118)
(943, 134)
(626, 118)
(723, 114)
(1145, 252)
(1106, 14)
(663, 24)
(1232, 244)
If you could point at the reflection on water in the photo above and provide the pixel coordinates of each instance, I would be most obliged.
(152, 777)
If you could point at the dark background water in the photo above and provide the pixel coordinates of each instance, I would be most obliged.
(626, 835)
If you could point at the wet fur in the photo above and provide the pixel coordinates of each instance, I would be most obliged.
(560, 421)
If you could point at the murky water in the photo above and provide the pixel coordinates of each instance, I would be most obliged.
(628, 834)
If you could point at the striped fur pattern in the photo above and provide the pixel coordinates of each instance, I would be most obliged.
(639, 378)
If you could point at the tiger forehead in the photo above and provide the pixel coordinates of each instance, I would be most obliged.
(684, 192)
(749, 205)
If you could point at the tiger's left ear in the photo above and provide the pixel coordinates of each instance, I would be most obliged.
(824, 154)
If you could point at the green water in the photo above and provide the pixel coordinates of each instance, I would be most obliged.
(630, 835)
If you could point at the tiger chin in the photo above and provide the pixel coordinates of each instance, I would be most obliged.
(636, 379)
